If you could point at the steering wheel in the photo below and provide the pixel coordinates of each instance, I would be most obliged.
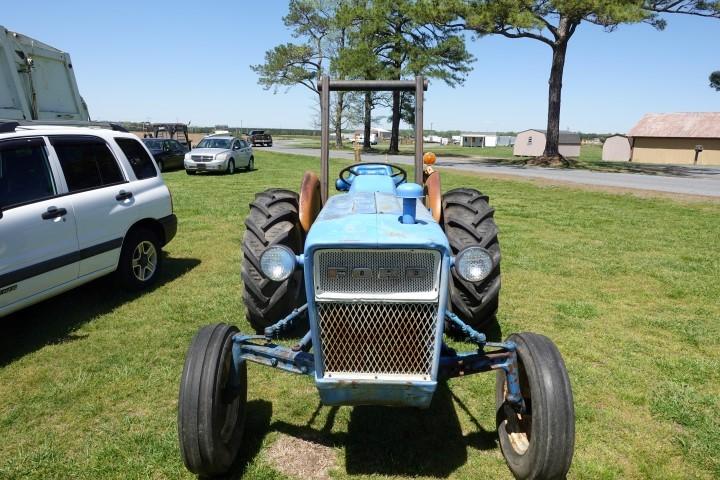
(398, 174)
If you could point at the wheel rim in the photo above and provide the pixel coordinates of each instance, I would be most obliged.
(231, 167)
(228, 409)
(518, 426)
(144, 261)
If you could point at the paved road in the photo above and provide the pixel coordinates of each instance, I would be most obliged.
(684, 180)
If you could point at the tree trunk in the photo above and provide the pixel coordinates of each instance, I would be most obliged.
(552, 142)
(367, 121)
(395, 131)
(339, 107)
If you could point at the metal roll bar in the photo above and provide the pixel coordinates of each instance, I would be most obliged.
(419, 85)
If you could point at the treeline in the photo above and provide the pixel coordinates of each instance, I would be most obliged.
(399, 39)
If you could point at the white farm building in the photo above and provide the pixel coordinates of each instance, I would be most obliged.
(479, 139)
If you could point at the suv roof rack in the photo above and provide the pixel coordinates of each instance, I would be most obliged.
(8, 126)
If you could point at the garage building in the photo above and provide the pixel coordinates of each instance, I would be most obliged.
(531, 143)
(678, 138)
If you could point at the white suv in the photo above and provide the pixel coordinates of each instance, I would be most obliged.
(77, 203)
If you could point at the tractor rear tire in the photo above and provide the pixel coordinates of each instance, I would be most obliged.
(467, 219)
(273, 220)
(538, 444)
(211, 411)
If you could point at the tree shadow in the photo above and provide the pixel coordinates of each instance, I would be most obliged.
(400, 441)
(656, 169)
(599, 166)
(56, 319)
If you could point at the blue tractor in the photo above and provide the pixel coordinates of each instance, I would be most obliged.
(378, 275)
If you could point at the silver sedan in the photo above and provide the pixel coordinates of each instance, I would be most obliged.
(219, 153)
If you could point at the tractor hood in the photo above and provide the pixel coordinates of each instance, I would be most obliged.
(372, 220)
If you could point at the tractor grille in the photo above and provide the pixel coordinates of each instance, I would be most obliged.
(202, 158)
(352, 274)
(378, 338)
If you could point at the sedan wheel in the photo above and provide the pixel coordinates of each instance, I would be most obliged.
(231, 167)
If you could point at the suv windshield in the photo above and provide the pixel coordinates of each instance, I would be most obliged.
(214, 143)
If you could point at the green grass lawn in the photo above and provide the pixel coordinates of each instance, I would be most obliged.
(627, 287)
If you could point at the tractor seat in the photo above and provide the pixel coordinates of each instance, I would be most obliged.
(373, 183)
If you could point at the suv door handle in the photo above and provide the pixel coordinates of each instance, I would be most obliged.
(123, 195)
(53, 212)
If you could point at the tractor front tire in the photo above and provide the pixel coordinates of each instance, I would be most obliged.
(273, 220)
(211, 410)
(539, 443)
(467, 220)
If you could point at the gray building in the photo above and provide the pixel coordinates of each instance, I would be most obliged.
(531, 143)
(505, 141)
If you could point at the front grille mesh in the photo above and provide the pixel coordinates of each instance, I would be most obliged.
(388, 271)
(378, 338)
(202, 158)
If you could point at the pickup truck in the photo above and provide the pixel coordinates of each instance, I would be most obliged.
(259, 138)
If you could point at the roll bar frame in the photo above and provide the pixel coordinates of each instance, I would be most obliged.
(419, 85)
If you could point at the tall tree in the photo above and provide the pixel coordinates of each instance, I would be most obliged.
(320, 39)
(553, 22)
(715, 80)
(400, 39)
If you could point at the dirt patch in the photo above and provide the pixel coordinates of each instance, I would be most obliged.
(300, 458)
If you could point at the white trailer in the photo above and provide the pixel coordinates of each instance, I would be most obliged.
(37, 81)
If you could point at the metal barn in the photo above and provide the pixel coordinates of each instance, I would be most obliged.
(677, 138)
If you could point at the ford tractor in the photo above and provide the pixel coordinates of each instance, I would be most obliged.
(380, 275)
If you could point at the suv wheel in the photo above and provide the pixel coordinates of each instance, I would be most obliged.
(140, 259)
(231, 167)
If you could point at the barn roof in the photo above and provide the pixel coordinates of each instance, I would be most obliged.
(678, 125)
(566, 137)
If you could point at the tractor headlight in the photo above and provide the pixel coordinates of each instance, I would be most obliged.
(278, 262)
(473, 264)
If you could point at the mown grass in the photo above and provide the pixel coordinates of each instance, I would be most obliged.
(627, 287)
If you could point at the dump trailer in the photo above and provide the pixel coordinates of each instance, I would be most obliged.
(37, 81)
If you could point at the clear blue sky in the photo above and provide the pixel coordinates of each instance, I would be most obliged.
(189, 61)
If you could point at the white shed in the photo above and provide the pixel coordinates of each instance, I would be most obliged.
(531, 143)
(616, 149)
(479, 139)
